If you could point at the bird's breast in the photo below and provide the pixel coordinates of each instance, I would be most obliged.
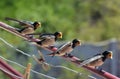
(66, 50)
(95, 63)
(48, 42)
(28, 30)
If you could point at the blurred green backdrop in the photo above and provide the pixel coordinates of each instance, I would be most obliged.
(87, 20)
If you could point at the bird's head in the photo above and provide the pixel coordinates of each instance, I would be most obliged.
(76, 42)
(36, 24)
(58, 34)
(108, 54)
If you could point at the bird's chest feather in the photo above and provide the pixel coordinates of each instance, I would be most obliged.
(97, 62)
(66, 49)
(49, 41)
(28, 30)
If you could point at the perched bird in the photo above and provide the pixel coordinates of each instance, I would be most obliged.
(41, 61)
(66, 48)
(28, 27)
(47, 40)
(97, 60)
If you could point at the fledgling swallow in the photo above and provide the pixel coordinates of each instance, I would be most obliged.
(28, 27)
(47, 40)
(41, 61)
(66, 48)
(97, 60)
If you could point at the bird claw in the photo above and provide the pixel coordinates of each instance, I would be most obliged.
(69, 55)
(29, 36)
(99, 69)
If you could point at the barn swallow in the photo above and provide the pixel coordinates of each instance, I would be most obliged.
(28, 27)
(97, 60)
(41, 61)
(47, 40)
(66, 48)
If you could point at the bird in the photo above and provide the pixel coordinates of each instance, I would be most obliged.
(66, 48)
(41, 61)
(28, 27)
(97, 60)
(48, 39)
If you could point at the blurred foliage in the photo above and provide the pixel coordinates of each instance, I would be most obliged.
(87, 20)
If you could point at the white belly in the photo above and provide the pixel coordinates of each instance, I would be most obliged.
(48, 42)
(28, 31)
(98, 62)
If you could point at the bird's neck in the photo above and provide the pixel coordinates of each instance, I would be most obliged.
(55, 38)
(103, 58)
(73, 45)
(35, 28)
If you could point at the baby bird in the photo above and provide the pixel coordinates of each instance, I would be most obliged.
(28, 27)
(66, 48)
(97, 60)
(47, 40)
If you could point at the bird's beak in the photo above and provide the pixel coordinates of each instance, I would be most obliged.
(110, 55)
(60, 35)
(39, 24)
(79, 43)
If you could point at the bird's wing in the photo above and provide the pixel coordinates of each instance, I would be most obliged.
(90, 60)
(47, 36)
(12, 19)
(63, 47)
(60, 48)
(20, 22)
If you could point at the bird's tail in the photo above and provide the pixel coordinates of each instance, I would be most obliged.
(20, 22)
(51, 54)
(39, 43)
(12, 19)
(34, 34)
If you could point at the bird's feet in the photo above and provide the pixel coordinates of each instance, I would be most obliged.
(70, 55)
(99, 69)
